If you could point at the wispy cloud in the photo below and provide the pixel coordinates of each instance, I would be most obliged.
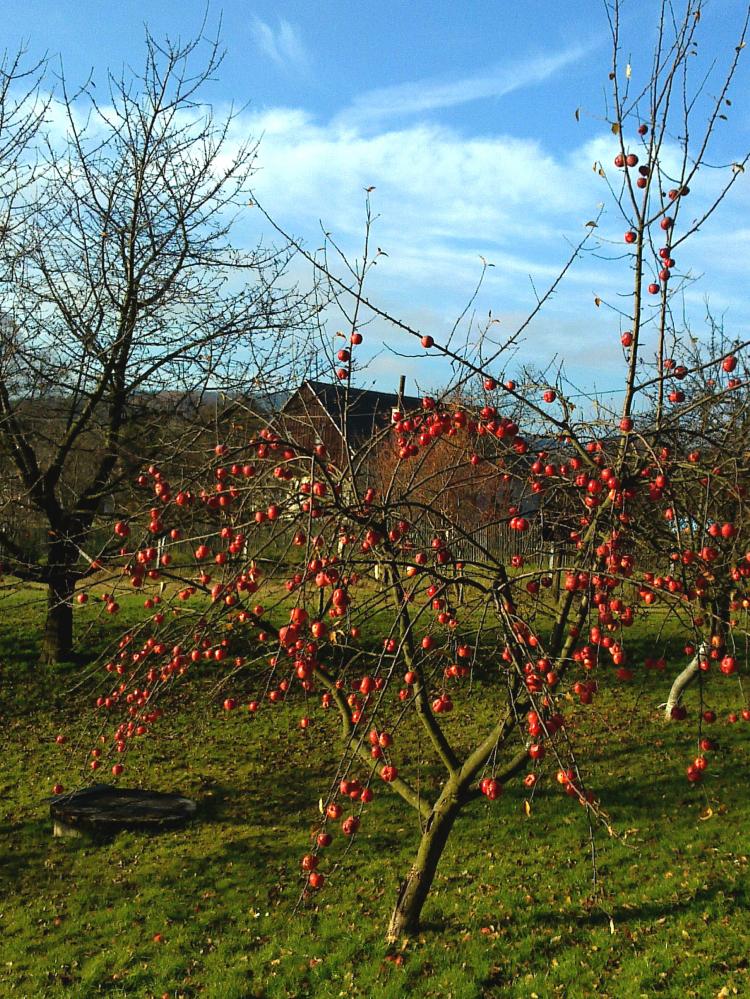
(282, 44)
(432, 94)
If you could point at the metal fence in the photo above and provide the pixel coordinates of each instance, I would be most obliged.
(495, 540)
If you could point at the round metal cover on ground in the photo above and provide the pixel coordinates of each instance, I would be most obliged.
(103, 808)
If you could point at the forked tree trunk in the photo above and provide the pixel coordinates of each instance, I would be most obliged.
(57, 643)
(682, 682)
(416, 886)
(720, 610)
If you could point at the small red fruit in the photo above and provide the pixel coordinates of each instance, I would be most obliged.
(728, 665)
(694, 774)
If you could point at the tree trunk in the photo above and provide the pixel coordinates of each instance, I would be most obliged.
(720, 610)
(416, 887)
(682, 682)
(57, 643)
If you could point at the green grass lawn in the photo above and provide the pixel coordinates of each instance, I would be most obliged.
(513, 912)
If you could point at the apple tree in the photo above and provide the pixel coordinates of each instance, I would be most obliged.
(646, 504)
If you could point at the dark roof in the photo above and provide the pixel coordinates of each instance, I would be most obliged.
(367, 410)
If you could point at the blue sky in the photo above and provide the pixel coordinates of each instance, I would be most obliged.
(461, 115)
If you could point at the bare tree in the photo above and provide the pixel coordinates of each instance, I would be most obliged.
(122, 293)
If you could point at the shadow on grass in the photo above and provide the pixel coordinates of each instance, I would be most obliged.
(646, 912)
(27, 845)
(30, 847)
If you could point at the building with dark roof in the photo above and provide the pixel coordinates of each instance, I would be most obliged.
(334, 415)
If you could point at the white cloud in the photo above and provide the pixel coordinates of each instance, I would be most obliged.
(428, 95)
(282, 44)
(446, 198)
(432, 182)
